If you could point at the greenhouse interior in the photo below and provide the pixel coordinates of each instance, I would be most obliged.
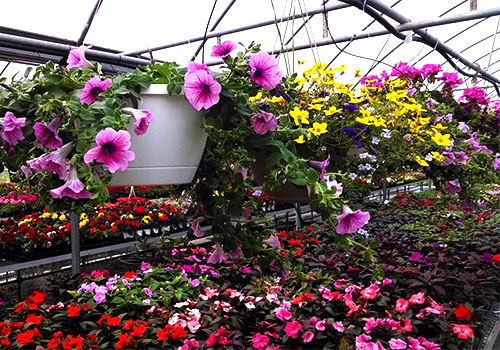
(268, 174)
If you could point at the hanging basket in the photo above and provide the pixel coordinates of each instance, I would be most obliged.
(170, 151)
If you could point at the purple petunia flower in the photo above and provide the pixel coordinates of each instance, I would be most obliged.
(143, 118)
(93, 88)
(264, 70)
(11, 126)
(148, 292)
(126, 283)
(264, 122)
(112, 150)
(321, 166)
(197, 231)
(350, 222)
(496, 164)
(201, 89)
(193, 67)
(463, 127)
(223, 50)
(450, 158)
(462, 157)
(274, 242)
(47, 134)
(54, 162)
(452, 187)
(218, 256)
(77, 58)
(411, 92)
(73, 188)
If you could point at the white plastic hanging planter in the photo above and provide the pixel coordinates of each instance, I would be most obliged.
(170, 151)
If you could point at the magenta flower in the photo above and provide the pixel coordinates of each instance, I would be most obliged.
(397, 344)
(350, 222)
(112, 150)
(264, 70)
(148, 292)
(282, 313)
(416, 256)
(201, 89)
(263, 122)
(223, 50)
(11, 126)
(193, 67)
(47, 134)
(321, 166)
(418, 298)
(292, 329)
(54, 162)
(77, 58)
(274, 242)
(370, 292)
(142, 117)
(218, 256)
(259, 341)
(450, 158)
(197, 231)
(496, 163)
(73, 188)
(462, 157)
(93, 88)
(307, 337)
(452, 187)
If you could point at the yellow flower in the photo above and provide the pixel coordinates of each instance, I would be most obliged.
(217, 194)
(55, 216)
(83, 216)
(256, 97)
(317, 107)
(146, 219)
(130, 216)
(438, 157)
(279, 100)
(300, 81)
(332, 110)
(318, 128)
(83, 223)
(300, 139)
(318, 100)
(379, 122)
(160, 215)
(439, 127)
(357, 72)
(46, 215)
(356, 100)
(421, 161)
(369, 120)
(301, 61)
(441, 140)
(62, 217)
(299, 116)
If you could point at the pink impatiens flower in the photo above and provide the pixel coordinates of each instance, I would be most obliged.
(93, 88)
(77, 58)
(350, 222)
(190, 344)
(418, 298)
(370, 292)
(401, 305)
(112, 150)
(307, 337)
(73, 188)
(201, 89)
(142, 117)
(264, 70)
(260, 341)
(292, 329)
(223, 50)
(11, 129)
(282, 313)
(47, 134)
(397, 344)
(463, 331)
(263, 122)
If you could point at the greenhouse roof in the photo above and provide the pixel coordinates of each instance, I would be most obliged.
(128, 27)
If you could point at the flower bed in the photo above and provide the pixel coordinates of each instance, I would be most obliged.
(301, 291)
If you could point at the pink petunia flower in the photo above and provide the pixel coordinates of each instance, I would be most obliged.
(307, 337)
(397, 344)
(112, 150)
(55, 161)
(193, 67)
(77, 58)
(201, 89)
(292, 329)
(350, 222)
(93, 88)
(73, 188)
(197, 231)
(263, 122)
(47, 134)
(223, 50)
(142, 117)
(218, 256)
(260, 341)
(264, 70)
(11, 126)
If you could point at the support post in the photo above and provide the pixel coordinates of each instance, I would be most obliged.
(298, 216)
(384, 190)
(75, 243)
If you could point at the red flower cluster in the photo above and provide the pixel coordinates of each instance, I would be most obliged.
(32, 302)
(171, 332)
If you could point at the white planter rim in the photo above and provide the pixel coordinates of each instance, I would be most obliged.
(159, 89)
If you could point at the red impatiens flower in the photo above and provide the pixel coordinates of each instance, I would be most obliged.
(27, 337)
(129, 274)
(401, 305)
(124, 340)
(462, 313)
(463, 331)
(72, 342)
(138, 331)
(495, 258)
(32, 318)
(74, 311)
(114, 321)
(220, 337)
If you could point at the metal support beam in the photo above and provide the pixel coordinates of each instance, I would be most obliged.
(240, 29)
(75, 243)
(89, 22)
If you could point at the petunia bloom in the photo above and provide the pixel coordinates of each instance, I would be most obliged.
(350, 222)
(264, 70)
(218, 256)
(321, 166)
(263, 122)
(142, 117)
(193, 67)
(201, 89)
(93, 88)
(223, 50)
(11, 126)
(47, 134)
(197, 231)
(77, 58)
(452, 187)
(73, 188)
(55, 161)
(112, 150)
